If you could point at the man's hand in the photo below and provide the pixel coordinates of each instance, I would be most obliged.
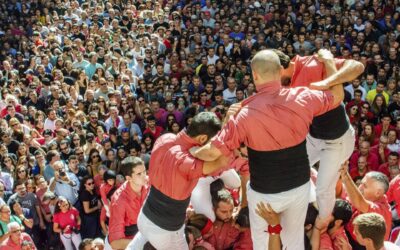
(344, 174)
(325, 55)
(322, 224)
(268, 214)
(232, 111)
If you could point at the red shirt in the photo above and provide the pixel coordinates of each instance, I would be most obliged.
(224, 236)
(155, 133)
(381, 207)
(104, 189)
(241, 165)
(393, 193)
(8, 244)
(173, 170)
(372, 161)
(275, 118)
(124, 209)
(4, 111)
(354, 173)
(244, 242)
(379, 128)
(332, 242)
(309, 69)
(67, 219)
(375, 150)
(384, 168)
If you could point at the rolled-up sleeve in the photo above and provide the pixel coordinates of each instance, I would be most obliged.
(231, 135)
(117, 220)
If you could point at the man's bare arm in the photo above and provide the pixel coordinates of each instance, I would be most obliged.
(206, 153)
(350, 70)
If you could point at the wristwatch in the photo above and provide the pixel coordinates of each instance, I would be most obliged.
(274, 229)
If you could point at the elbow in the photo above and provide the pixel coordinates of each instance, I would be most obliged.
(358, 67)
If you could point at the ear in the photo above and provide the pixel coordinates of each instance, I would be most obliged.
(255, 76)
(308, 227)
(202, 139)
(338, 223)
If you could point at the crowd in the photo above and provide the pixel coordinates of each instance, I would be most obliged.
(87, 88)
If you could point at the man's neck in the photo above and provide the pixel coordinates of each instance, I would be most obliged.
(136, 188)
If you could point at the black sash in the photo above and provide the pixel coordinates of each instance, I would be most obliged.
(331, 125)
(165, 212)
(279, 170)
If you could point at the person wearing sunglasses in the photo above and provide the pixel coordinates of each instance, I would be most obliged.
(67, 223)
(91, 208)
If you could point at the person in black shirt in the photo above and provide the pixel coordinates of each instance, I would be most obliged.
(12, 145)
(91, 126)
(91, 209)
(75, 168)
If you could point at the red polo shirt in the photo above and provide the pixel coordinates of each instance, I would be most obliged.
(375, 150)
(309, 69)
(372, 161)
(393, 193)
(124, 210)
(173, 170)
(67, 219)
(8, 244)
(273, 119)
(381, 207)
(224, 235)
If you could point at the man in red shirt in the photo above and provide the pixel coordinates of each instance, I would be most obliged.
(173, 174)
(126, 203)
(391, 167)
(364, 150)
(393, 195)
(17, 238)
(152, 128)
(361, 170)
(331, 138)
(381, 150)
(273, 124)
(225, 234)
(368, 197)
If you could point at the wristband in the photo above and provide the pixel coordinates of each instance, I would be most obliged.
(276, 229)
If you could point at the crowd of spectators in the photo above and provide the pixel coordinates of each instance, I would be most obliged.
(84, 84)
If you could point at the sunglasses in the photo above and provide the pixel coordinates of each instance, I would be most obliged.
(95, 156)
(90, 183)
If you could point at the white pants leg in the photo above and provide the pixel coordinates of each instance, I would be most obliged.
(314, 147)
(292, 205)
(159, 238)
(67, 241)
(76, 239)
(333, 154)
(201, 198)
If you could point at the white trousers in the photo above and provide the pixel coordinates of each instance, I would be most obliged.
(201, 196)
(159, 238)
(292, 205)
(331, 154)
(69, 239)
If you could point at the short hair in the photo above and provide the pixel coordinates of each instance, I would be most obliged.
(371, 226)
(84, 243)
(342, 211)
(51, 154)
(394, 154)
(129, 164)
(12, 225)
(223, 195)
(204, 123)
(266, 62)
(381, 178)
(283, 58)
(311, 216)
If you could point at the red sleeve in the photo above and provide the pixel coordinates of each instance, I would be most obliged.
(231, 135)
(374, 162)
(319, 102)
(117, 220)
(191, 167)
(56, 218)
(325, 242)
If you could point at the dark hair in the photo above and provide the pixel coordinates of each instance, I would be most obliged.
(84, 243)
(311, 215)
(342, 211)
(57, 207)
(222, 195)
(242, 218)
(50, 155)
(204, 123)
(129, 164)
(283, 58)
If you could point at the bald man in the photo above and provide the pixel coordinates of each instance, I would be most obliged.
(273, 124)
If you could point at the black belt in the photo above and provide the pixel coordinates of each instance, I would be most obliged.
(165, 212)
(279, 170)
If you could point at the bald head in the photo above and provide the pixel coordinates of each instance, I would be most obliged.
(266, 65)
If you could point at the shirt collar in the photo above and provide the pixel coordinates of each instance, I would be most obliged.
(269, 86)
